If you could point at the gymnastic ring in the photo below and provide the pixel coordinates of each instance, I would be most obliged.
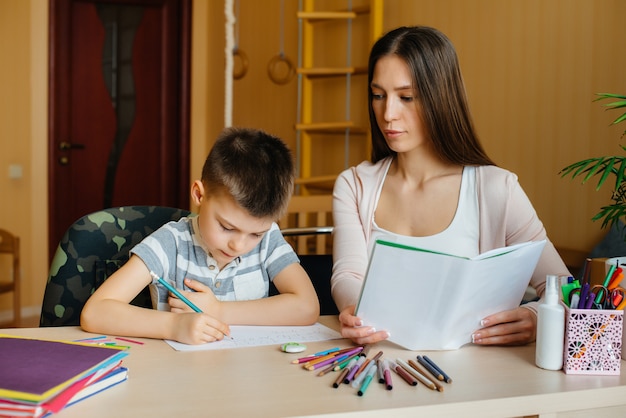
(244, 64)
(271, 67)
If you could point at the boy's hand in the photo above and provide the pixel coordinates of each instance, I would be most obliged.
(203, 298)
(195, 328)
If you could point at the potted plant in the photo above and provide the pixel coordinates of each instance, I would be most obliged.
(613, 165)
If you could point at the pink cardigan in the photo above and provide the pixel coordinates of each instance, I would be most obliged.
(506, 217)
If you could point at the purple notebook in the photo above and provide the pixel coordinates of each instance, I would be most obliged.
(35, 370)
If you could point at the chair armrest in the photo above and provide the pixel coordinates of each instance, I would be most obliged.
(309, 230)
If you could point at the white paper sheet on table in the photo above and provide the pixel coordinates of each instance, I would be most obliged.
(434, 301)
(252, 336)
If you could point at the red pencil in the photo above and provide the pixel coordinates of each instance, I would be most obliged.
(304, 359)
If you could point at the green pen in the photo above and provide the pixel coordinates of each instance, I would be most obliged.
(567, 289)
(607, 279)
(367, 380)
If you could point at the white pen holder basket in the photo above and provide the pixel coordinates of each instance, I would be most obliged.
(593, 342)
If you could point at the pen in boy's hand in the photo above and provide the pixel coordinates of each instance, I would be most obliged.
(180, 296)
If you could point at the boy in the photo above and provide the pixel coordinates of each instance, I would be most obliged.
(226, 255)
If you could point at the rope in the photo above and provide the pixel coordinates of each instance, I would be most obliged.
(281, 60)
(228, 71)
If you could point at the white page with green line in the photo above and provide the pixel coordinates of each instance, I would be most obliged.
(434, 301)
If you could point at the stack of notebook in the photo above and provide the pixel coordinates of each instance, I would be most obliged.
(41, 377)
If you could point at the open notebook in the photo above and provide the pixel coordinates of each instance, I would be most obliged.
(435, 301)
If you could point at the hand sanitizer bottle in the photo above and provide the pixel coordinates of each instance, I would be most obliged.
(550, 328)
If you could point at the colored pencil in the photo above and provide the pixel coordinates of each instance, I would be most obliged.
(422, 379)
(313, 362)
(404, 374)
(424, 372)
(446, 378)
(342, 364)
(341, 377)
(180, 296)
(323, 353)
(327, 369)
(128, 340)
(333, 361)
(436, 374)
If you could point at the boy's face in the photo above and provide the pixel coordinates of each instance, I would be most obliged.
(226, 229)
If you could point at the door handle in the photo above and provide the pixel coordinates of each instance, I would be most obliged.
(64, 145)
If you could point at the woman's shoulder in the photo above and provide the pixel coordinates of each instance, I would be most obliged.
(491, 174)
(366, 170)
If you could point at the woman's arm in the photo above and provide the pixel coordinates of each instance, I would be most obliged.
(518, 223)
(349, 242)
(350, 257)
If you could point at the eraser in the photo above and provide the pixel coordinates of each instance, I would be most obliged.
(293, 347)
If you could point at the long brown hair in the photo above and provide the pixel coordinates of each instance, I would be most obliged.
(434, 65)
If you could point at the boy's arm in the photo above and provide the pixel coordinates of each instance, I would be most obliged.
(297, 303)
(108, 311)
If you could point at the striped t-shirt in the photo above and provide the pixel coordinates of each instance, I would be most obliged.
(175, 252)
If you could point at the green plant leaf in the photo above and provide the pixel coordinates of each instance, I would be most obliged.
(608, 169)
(608, 95)
(620, 119)
(619, 177)
(604, 167)
(578, 168)
(615, 105)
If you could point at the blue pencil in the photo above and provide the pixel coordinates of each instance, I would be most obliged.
(179, 295)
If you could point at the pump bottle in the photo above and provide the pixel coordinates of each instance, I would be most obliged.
(550, 327)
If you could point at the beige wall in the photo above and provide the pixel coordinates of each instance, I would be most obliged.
(531, 68)
(23, 110)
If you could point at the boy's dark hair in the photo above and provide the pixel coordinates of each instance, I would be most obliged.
(255, 167)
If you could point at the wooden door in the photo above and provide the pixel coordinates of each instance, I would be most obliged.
(119, 107)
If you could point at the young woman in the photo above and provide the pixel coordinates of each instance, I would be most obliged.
(430, 183)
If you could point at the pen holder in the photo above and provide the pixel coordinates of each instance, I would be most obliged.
(593, 342)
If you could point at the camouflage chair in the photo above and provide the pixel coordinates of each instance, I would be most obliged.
(92, 249)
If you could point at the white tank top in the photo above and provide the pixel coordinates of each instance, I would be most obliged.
(460, 238)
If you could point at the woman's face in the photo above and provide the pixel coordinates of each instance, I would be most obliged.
(396, 106)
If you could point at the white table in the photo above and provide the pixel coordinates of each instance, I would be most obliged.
(261, 381)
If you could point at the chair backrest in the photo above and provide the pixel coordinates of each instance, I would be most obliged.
(308, 224)
(308, 228)
(92, 249)
(10, 245)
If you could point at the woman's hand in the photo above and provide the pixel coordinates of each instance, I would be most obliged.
(202, 297)
(351, 327)
(514, 327)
